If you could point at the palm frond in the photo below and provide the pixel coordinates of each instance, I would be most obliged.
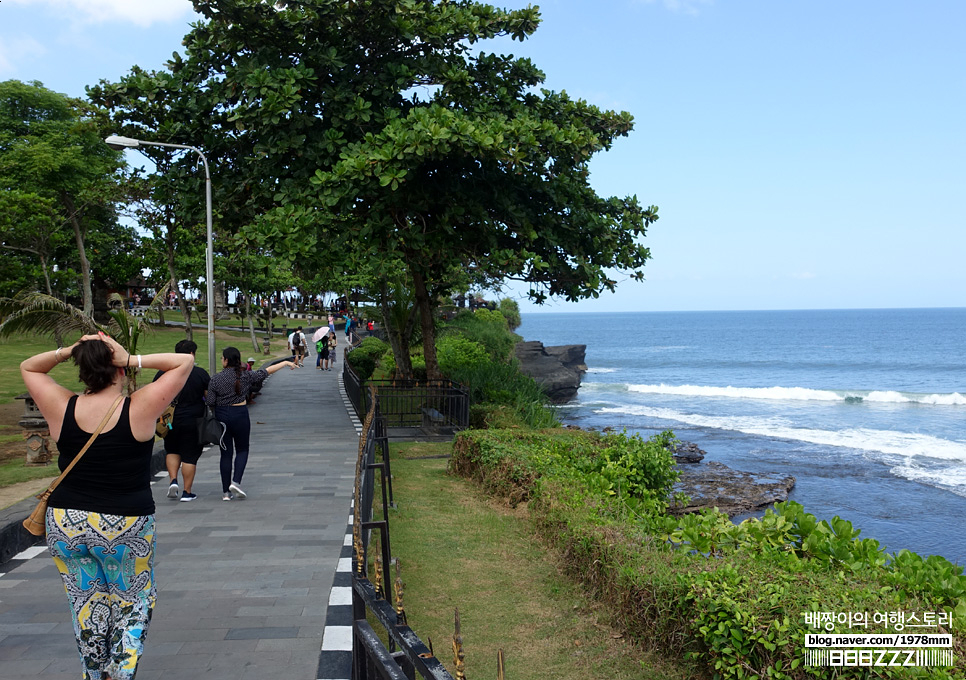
(43, 314)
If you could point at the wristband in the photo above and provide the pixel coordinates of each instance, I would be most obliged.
(139, 362)
(57, 354)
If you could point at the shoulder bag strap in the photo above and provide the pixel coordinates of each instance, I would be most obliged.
(107, 416)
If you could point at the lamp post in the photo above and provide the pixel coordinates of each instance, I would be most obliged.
(117, 142)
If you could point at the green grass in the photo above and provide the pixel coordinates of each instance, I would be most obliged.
(14, 472)
(459, 549)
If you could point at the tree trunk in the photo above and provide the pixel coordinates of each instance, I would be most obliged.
(425, 309)
(398, 337)
(251, 322)
(86, 291)
(173, 274)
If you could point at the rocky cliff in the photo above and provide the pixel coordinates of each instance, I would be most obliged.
(556, 369)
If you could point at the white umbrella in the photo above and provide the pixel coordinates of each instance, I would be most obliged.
(319, 334)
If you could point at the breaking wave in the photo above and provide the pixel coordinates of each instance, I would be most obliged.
(905, 444)
(803, 394)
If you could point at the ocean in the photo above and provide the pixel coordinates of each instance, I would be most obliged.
(865, 408)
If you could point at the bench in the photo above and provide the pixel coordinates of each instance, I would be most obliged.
(432, 419)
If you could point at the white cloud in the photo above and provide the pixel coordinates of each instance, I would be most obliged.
(142, 13)
(16, 51)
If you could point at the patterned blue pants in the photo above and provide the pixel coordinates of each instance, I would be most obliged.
(107, 564)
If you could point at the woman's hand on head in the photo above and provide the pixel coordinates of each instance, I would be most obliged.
(120, 357)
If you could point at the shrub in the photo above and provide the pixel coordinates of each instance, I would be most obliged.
(511, 312)
(459, 355)
(388, 363)
(372, 346)
(362, 363)
(504, 385)
(486, 327)
(733, 598)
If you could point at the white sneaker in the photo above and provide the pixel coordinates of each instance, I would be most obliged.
(174, 491)
(237, 490)
(226, 496)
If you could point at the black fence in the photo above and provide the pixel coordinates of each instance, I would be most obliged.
(411, 409)
(396, 652)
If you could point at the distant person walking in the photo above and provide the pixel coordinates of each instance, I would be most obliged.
(228, 393)
(349, 326)
(100, 519)
(322, 354)
(298, 344)
(333, 350)
(181, 446)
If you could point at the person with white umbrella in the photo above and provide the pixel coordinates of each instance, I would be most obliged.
(321, 348)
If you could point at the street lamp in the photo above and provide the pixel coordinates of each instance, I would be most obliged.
(117, 142)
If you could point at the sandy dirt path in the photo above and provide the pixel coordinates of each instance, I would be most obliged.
(17, 492)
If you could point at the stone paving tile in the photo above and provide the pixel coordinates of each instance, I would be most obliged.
(260, 568)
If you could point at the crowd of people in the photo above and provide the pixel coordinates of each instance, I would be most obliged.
(326, 341)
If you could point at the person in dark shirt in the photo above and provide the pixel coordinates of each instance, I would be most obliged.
(100, 520)
(228, 394)
(181, 446)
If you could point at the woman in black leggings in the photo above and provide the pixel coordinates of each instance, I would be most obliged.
(228, 393)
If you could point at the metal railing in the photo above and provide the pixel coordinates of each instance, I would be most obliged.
(409, 407)
(406, 657)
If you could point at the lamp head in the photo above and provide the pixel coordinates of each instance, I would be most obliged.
(118, 143)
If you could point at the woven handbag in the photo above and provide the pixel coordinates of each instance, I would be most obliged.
(36, 524)
(165, 420)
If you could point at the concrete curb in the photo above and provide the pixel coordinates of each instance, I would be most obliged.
(15, 539)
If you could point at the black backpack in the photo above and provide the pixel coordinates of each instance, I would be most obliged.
(297, 339)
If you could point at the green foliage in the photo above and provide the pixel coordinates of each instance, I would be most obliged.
(371, 346)
(58, 183)
(365, 356)
(510, 310)
(320, 126)
(459, 355)
(416, 362)
(504, 386)
(485, 327)
(731, 597)
(612, 465)
(364, 365)
(632, 466)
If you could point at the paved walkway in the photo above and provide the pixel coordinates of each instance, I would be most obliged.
(243, 586)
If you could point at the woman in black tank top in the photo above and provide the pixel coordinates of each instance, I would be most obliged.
(101, 517)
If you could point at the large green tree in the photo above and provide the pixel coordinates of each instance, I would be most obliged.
(59, 183)
(366, 133)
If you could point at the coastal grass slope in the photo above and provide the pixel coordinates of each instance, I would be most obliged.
(736, 599)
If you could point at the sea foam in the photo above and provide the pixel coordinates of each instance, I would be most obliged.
(905, 444)
(803, 394)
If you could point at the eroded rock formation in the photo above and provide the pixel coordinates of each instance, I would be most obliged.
(556, 369)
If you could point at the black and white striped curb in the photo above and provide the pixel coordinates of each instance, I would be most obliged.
(335, 657)
(356, 423)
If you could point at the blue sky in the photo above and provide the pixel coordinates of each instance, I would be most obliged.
(803, 154)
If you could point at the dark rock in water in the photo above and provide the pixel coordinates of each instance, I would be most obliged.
(687, 452)
(713, 485)
(556, 369)
(571, 356)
